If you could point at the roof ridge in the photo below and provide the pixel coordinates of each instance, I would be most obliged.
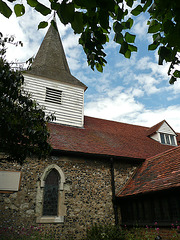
(115, 121)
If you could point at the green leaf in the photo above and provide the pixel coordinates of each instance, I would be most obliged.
(86, 3)
(127, 54)
(161, 59)
(77, 24)
(130, 2)
(128, 24)
(104, 19)
(19, 10)
(118, 38)
(172, 80)
(132, 48)
(4, 9)
(136, 11)
(152, 8)
(107, 38)
(130, 21)
(176, 74)
(119, 13)
(154, 27)
(32, 3)
(42, 24)
(147, 4)
(156, 36)
(164, 53)
(42, 9)
(55, 6)
(129, 37)
(99, 67)
(117, 27)
(66, 12)
(100, 37)
(168, 26)
(124, 48)
(153, 46)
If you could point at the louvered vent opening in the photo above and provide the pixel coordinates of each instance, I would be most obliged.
(53, 95)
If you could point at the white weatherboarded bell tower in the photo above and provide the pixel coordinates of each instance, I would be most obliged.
(51, 84)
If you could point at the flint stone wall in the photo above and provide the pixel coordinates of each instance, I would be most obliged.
(87, 189)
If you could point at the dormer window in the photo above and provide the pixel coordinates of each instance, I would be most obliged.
(167, 139)
(163, 133)
(53, 95)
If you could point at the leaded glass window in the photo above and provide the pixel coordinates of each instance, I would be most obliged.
(172, 140)
(167, 139)
(162, 138)
(50, 203)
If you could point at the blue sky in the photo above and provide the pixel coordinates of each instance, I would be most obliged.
(134, 90)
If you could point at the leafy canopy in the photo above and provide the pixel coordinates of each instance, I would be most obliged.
(23, 126)
(91, 19)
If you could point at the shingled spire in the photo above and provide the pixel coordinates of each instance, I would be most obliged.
(50, 61)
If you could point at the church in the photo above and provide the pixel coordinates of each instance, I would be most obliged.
(99, 171)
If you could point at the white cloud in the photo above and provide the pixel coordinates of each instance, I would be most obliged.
(120, 106)
(135, 92)
(147, 83)
(73, 50)
(25, 30)
(115, 104)
(140, 27)
(151, 117)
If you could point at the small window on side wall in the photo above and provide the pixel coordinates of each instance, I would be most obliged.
(50, 198)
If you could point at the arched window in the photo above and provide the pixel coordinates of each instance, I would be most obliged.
(50, 206)
(50, 198)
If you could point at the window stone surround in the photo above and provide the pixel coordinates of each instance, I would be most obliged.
(61, 197)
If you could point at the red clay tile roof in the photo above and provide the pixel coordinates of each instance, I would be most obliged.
(156, 173)
(154, 128)
(105, 137)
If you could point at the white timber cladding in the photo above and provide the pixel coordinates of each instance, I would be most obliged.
(71, 109)
(156, 137)
(166, 129)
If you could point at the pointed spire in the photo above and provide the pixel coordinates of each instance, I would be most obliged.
(50, 61)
